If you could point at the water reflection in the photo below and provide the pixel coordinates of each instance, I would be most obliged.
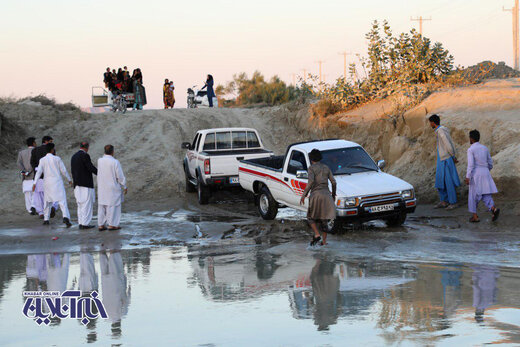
(114, 289)
(36, 272)
(334, 290)
(408, 300)
(392, 302)
(88, 282)
(484, 289)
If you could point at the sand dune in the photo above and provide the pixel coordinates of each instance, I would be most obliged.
(407, 143)
(148, 142)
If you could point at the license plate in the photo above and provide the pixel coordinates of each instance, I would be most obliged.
(381, 208)
(233, 180)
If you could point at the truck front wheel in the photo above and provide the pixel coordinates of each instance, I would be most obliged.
(267, 206)
(203, 192)
(396, 221)
(335, 226)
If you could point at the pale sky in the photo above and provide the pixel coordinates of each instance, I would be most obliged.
(62, 47)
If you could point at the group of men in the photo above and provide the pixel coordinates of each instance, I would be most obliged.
(42, 171)
(478, 175)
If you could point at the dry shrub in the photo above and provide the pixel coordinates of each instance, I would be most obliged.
(325, 107)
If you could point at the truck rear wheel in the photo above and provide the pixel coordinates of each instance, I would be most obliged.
(396, 221)
(267, 206)
(203, 192)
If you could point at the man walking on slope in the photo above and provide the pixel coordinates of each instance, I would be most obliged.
(478, 177)
(24, 164)
(82, 170)
(52, 167)
(446, 177)
(110, 182)
(38, 198)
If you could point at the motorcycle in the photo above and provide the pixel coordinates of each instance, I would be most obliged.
(197, 98)
(120, 103)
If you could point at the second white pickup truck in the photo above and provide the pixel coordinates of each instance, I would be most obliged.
(364, 192)
(212, 159)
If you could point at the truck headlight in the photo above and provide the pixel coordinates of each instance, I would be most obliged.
(347, 202)
(407, 194)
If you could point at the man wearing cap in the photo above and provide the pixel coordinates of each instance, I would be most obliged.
(82, 170)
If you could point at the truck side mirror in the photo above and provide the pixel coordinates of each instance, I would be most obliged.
(381, 164)
(186, 145)
(302, 174)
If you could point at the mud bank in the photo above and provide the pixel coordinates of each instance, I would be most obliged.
(147, 143)
(405, 140)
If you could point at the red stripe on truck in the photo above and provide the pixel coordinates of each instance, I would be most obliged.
(261, 174)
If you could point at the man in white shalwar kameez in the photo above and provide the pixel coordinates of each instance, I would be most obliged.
(478, 177)
(52, 167)
(24, 164)
(111, 185)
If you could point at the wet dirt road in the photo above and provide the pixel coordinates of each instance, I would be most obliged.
(220, 275)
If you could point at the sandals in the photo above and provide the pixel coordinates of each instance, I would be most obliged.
(442, 204)
(471, 220)
(315, 240)
(496, 213)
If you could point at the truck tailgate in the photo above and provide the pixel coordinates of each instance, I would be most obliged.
(227, 164)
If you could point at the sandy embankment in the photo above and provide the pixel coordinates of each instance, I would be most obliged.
(148, 143)
(407, 142)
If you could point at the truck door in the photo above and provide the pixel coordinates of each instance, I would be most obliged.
(297, 161)
(193, 155)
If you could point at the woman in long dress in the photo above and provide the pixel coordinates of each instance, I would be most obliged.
(321, 202)
(167, 94)
(211, 92)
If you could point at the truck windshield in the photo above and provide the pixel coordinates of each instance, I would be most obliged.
(346, 161)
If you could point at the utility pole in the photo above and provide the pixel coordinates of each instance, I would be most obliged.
(420, 19)
(293, 79)
(320, 62)
(344, 54)
(514, 11)
(304, 75)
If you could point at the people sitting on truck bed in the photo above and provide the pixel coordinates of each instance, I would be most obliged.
(121, 80)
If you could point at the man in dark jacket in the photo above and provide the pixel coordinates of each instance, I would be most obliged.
(38, 198)
(82, 170)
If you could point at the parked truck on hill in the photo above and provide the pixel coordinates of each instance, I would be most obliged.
(364, 191)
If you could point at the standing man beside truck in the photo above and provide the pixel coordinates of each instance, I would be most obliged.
(446, 176)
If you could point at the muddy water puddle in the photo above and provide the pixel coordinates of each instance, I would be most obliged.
(193, 295)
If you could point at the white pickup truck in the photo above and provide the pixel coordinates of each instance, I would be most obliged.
(364, 192)
(212, 159)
